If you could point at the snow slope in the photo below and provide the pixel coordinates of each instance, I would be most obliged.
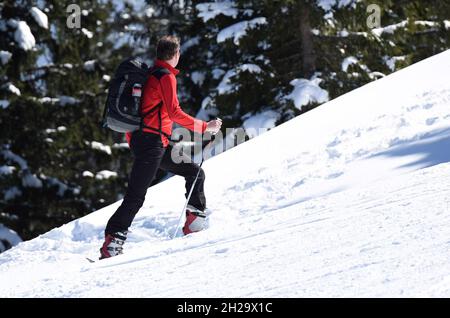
(350, 199)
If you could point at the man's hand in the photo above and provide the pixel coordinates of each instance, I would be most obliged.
(213, 126)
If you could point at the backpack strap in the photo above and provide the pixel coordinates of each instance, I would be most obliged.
(158, 72)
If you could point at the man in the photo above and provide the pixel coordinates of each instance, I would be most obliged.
(151, 150)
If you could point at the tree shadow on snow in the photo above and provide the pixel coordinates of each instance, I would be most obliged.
(433, 149)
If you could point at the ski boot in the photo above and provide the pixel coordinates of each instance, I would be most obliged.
(113, 244)
(195, 220)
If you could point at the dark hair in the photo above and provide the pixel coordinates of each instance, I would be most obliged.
(167, 47)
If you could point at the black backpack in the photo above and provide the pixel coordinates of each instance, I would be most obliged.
(123, 105)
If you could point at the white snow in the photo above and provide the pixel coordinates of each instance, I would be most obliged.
(9, 155)
(189, 43)
(208, 109)
(257, 124)
(13, 89)
(390, 28)
(447, 24)
(5, 56)
(252, 68)
(6, 170)
(9, 236)
(427, 23)
(12, 193)
(24, 37)
(198, 77)
(348, 200)
(328, 4)
(217, 73)
(31, 181)
(209, 10)
(351, 60)
(62, 187)
(347, 62)
(122, 145)
(88, 174)
(4, 103)
(61, 100)
(376, 75)
(101, 147)
(87, 33)
(225, 86)
(50, 100)
(89, 65)
(238, 30)
(307, 91)
(394, 27)
(105, 174)
(391, 61)
(149, 11)
(67, 100)
(40, 17)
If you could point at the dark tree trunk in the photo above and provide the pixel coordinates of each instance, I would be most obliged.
(307, 45)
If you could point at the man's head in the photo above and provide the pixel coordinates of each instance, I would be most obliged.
(168, 49)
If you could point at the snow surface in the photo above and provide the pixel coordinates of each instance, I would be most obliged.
(5, 56)
(12, 193)
(238, 30)
(8, 236)
(259, 123)
(61, 100)
(198, 77)
(394, 27)
(12, 88)
(208, 109)
(391, 61)
(328, 4)
(122, 145)
(62, 187)
(87, 33)
(101, 147)
(89, 65)
(88, 174)
(40, 17)
(210, 10)
(447, 24)
(105, 174)
(4, 103)
(6, 170)
(24, 37)
(9, 155)
(186, 45)
(307, 91)
(67, 100)
(348, 200)
(31, 181)
(226, 86)
(347, 62)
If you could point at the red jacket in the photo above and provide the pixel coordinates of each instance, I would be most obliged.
(165, 90)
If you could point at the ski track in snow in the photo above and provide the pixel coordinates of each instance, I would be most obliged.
(348, 200)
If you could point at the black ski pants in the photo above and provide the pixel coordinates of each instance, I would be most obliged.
(149, 156)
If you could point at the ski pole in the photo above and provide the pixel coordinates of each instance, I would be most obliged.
(192, 188)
